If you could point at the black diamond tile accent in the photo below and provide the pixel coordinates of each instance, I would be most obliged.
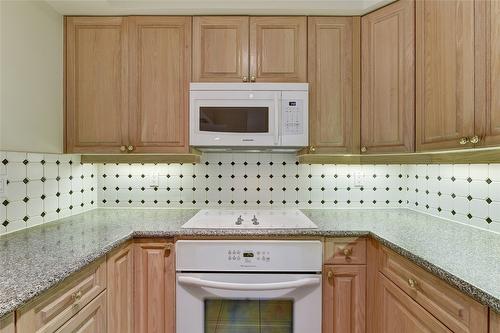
(26, 180)
(488, 181)
(5, 162)
(488, 220)
(5, 223)
(453, 212)
(43, 197)
(469, 180)
(43, 214)
(469, 216)
(5, 202)
(26, 199)
(453, 179)
(43, 179)
(469, 197)
(25, 219)
(453, 195)
(489, 201)
(25, 162)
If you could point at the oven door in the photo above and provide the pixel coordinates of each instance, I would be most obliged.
(248, 303)
(234, 118)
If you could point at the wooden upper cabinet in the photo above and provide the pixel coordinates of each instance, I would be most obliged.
(278, 48)
(397, 312)
(344, 300)
(220, 48)
(444, 73)
(487, 92)
(160, 62)
(388, 79)
(154, 301)
(96, 84)
(333, 66)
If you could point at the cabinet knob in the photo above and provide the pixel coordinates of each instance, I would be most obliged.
(168, 248)
(364, 149)
(312, 149)
(330, 274)
(123, 149)
(252, 78)
(412, 283)
(130, 148)
(463, 141)
(475, 139)
(347, 252)
(245, 78)
(76, 296)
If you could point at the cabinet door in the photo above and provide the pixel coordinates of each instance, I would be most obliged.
(91, 319)
(494, 322)
(344, 290)
(333, 65)
(278, 49)
(160, 62)
(444, 73)
(220, 48)
(96, 84)
(488, 72)
(398, 313)
(120, 289)
(154, 287)
(388, 79)
(7, 324)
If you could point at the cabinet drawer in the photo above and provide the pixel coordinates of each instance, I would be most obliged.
(344, 251)
(50, 311)
(92, 318)
(453, 308)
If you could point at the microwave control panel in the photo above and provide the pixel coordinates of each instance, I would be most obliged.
(293, 123)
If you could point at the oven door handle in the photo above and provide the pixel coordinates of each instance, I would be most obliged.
(188, 280)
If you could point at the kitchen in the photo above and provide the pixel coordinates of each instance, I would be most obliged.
(238, 166)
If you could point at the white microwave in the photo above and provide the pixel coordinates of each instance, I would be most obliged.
(249, 115)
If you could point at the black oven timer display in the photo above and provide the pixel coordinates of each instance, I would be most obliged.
(248, 255)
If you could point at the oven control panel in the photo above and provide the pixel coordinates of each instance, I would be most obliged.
(293, 119)
(241, 255)
(248, 256)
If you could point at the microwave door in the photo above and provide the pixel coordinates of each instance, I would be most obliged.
(233, 118)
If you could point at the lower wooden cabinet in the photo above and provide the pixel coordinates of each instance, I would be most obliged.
(154, 298)
(91, 319)
(120, 291)
(494, 322)
(344, 293)
(398, 313)
(55, 308)
(7, 324)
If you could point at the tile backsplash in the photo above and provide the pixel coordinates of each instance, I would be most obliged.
(46, 187)
(250, 180)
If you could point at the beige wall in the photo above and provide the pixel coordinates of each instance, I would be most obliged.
(31, 70)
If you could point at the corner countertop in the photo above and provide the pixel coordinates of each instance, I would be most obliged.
(35, 259)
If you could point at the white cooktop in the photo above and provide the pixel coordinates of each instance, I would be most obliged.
(250, 219)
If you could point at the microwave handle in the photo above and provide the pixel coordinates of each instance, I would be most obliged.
(188, 280)
(277, 112)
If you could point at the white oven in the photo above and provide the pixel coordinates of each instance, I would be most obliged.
(249, 115)
(248, 286)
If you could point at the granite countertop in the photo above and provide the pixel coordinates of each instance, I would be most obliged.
(35, 259)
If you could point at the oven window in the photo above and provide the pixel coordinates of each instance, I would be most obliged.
(248, 316)
(234, 119)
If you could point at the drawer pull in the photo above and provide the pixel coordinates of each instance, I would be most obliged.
(347, 252)
(330, 274)
(168, 249)
(412, 283)
(76, 296)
